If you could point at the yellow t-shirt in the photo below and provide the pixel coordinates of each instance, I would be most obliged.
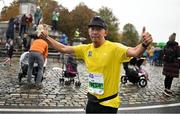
(105, 60)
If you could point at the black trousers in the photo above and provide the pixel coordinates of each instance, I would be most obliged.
(93, 107)
(54, 25)
(168, 82)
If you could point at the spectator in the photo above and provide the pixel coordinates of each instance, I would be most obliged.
(64, 39)
(55, 19)
(151, 54)
(29, 22)
(77, 33)
(17, 23)
(23, 26)
(37, 16)
(170, 67)
(10, 30)
(26, 41)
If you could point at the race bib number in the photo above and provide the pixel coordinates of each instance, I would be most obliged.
(95, 83)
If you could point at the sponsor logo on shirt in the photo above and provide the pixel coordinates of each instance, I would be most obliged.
(89, 53)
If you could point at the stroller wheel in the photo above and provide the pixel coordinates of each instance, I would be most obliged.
(67, 83)
(77, 83)
(72, 81)
(61, 80)
(142, 82)
(123, 79)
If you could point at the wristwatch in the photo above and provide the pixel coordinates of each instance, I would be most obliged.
(144, 45)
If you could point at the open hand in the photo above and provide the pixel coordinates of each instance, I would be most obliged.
(44, 35)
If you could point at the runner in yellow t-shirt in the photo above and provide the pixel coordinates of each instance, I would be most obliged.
(103, 60)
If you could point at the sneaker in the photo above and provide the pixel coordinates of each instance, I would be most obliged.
(169, 94)
(168, 90)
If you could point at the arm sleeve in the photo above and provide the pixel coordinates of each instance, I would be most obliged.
(79, 51)
(121, 53)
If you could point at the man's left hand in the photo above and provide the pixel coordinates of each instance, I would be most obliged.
(146, 37)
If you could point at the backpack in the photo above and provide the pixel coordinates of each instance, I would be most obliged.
(169, 54)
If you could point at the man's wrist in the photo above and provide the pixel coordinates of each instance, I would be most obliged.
(144, 45)
(47, 37)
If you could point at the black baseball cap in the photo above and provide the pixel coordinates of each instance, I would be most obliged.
(97, 21)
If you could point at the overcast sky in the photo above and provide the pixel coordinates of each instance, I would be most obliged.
(161, 17)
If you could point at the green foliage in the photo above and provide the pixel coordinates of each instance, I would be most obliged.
(112, 23)
(160, 44)
(81, 16)
(47, 7)
(65, 22)
(10, 11)
(130, 35)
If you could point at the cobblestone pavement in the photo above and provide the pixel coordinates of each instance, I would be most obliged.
(54, 95)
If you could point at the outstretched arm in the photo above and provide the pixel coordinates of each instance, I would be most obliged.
(139, 49)
(58, 46)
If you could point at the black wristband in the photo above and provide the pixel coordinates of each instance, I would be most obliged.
(144, 45)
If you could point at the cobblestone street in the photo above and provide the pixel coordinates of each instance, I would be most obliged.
(54, 95)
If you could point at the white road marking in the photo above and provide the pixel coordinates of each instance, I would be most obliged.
(82, 110)
(149, 107)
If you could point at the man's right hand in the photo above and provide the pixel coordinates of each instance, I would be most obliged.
(44, 34)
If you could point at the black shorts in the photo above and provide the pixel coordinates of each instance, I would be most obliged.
(93, 107)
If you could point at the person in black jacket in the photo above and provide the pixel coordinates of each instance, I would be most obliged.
(10, 30)
(23, 25)
(170, 67)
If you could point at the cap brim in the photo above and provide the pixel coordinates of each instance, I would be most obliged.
(97, 25)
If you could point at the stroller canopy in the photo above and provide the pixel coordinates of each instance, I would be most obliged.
(24, 58)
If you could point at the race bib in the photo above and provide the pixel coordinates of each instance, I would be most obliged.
(95, 83)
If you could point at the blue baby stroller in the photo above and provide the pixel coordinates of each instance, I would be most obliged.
(134, 73)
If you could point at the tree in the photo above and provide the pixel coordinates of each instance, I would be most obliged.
(10, 11)
(47, 7)
(130, 35)
(65, 23)
(111, 21)
(81, 16)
